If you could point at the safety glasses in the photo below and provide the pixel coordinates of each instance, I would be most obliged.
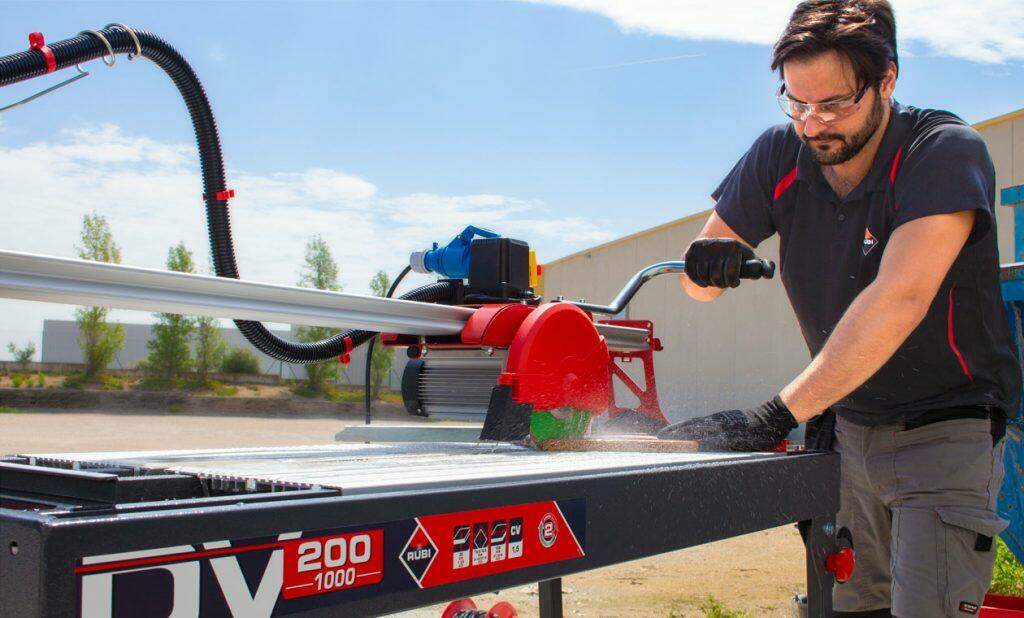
(825, 113)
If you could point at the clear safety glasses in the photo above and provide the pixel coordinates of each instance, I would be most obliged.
(825, 113)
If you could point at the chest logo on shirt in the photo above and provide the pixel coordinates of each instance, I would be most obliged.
(869, 242)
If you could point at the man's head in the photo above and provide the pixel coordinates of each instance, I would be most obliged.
(838, 63)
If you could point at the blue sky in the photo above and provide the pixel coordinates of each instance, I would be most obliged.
(386, 125)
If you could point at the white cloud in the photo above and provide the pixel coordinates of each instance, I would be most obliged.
(150, 192)
(989, 31)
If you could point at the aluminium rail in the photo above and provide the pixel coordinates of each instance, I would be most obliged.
(26, 276)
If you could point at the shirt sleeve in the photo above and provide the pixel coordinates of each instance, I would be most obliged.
(743, 199)
(946, 170)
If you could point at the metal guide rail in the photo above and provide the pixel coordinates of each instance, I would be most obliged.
(367, 529)
(27, 276)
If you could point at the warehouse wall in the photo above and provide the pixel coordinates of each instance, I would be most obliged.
(1004, 137)
(745, 346)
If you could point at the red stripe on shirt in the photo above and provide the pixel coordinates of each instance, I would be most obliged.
(952, 340)
(784, 183)
(895, 166)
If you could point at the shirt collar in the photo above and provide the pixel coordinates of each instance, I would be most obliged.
(877, 178)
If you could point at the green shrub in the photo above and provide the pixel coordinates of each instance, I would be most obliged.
(75, 379)
(1008, 573)
(112, 383)
(21, 381)
(240, 360)
(224, 390)
(40, 380)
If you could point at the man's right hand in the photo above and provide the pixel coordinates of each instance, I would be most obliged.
(716, 262)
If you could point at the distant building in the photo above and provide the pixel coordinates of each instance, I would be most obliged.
(60, 345)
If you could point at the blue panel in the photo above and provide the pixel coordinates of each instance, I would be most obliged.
(1013, 290)
(1011, 496)
(1012, 196)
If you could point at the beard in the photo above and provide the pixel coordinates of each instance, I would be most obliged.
(849, 145)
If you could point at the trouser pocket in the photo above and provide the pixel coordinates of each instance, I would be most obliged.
(967, 554)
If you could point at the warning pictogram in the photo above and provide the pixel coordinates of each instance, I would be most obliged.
(499, 532)
(460, 547)
(480, 543)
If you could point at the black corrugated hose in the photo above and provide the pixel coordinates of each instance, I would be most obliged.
(84, 47)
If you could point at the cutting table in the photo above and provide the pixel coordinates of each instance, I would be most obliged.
(368, 529)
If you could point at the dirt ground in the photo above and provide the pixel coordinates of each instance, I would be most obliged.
(756, 573)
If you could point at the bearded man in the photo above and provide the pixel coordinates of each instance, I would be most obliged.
(888, 255)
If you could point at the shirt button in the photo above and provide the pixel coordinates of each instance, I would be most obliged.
(842, 217)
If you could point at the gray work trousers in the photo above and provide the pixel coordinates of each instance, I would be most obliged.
(920, 504)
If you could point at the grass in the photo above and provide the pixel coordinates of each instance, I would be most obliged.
(10, 410)
(1008, 573)
(713, 608)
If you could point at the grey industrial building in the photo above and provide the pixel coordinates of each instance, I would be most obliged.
(745, 346)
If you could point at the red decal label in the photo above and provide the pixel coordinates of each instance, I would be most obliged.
(330, 563)
(457, 546)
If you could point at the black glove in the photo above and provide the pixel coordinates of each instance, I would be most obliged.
(755, 429)
(716, 261)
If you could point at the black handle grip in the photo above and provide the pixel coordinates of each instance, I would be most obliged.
(757, 269)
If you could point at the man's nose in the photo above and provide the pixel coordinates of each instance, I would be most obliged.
(812, 127)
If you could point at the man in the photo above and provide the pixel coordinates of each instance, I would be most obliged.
(888, 256)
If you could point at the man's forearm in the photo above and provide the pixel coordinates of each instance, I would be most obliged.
(874, 326)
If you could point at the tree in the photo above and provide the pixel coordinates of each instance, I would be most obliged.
(22, 356)
(99, 340)
(319, 271)
(210, 349)
(169, 354)
(383, 357)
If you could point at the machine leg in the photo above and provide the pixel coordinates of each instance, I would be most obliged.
(819, 542)
(550, 593)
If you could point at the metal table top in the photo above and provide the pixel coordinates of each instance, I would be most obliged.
(366, 468)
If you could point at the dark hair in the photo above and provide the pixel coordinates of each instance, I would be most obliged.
(862, 31)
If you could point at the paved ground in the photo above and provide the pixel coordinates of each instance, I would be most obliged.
(756, 573)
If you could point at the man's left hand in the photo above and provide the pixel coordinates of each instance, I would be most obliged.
(754, 429)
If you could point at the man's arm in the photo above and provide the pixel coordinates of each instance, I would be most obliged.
(715, 227)
(916, 260)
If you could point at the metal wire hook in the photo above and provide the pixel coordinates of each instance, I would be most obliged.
(81, 73)
(135, 39)
(110, 49)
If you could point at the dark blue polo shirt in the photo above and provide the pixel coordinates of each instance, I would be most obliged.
(929, 162)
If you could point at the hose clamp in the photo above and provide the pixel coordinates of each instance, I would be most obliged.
(38, 43)
(113, 59)
(131, 33)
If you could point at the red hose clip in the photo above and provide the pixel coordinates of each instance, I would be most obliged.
(223, 196)
(345, 357)
(38, 43)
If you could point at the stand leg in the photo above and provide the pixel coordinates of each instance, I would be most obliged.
(550, 593)
(818, 543)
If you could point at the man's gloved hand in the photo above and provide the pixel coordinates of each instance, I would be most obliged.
(716, 261)
(754, 429)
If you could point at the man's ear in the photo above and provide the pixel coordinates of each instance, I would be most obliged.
(888, 84)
